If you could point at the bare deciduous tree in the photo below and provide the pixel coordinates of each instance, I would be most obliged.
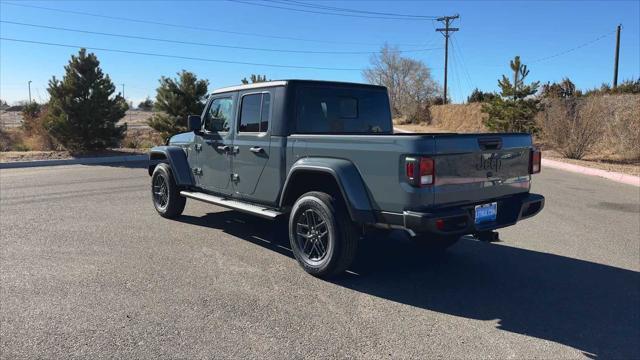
(409, 81)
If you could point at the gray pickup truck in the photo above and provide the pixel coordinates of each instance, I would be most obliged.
(324, 154)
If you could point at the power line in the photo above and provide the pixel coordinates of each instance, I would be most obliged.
(574, 48)
(325, 12)
(191, 27)
(201, 43)
(316, 6)
(564, 52)
(458, 49)
(179, 56)
(456, 74)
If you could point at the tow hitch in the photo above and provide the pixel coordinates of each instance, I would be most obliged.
(487, 236)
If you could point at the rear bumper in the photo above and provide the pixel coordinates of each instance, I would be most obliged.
(461, 219)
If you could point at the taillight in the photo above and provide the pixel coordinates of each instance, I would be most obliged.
(535, 162)
(420, 171)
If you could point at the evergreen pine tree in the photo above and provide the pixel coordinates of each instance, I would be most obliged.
(255, 79)
(175, 100)
(146, 105)
(515, 109)
(83, 113)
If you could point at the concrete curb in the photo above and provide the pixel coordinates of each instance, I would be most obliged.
(610, 175)
(75, 161)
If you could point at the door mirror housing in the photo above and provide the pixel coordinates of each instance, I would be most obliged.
(195, 123)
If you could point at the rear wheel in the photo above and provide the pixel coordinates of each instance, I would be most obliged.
(165, 193)
(322, 236)
(435, 242)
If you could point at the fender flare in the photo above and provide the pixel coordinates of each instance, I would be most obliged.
(348, 180)
(177, 160)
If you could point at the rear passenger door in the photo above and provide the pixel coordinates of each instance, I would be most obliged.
(252, 144)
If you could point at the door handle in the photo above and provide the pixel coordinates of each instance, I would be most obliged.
(256, 149)
(224, 148)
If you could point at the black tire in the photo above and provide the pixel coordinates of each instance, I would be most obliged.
(435, 243)
(165, 194)
(322, 255)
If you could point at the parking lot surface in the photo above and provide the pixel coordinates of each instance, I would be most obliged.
(88, 269)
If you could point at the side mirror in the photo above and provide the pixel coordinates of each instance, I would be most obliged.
(195, 123)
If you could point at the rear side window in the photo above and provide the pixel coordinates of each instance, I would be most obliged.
(218, 117)
(342, 110)
(254, 113)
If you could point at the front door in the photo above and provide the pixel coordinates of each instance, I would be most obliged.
(215, 146)
(252, 145)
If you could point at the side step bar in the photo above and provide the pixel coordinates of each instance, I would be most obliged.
(233, 204)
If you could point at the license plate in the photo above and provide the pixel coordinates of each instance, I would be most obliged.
(486, 212)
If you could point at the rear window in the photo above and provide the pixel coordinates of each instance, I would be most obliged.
(342, 110)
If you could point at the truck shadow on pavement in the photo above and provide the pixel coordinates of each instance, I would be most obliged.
(588, 306)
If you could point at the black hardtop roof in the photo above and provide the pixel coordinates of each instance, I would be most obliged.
(295, 82)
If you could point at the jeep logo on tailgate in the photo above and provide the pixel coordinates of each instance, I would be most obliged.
(489, 162)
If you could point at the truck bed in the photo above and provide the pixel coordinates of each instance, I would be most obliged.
(470, 168)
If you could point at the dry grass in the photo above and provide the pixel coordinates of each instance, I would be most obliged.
(141, 138)
(462, 118)
(605, 127)
(622, 130)
(16, 139)
(617, 117)
(572, 126)
(134, 118)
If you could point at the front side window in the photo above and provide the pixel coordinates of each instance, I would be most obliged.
(218, 116)
(254, 113)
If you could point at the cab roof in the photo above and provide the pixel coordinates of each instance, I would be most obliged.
(274, 83)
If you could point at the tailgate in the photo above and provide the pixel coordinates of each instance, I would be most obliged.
(472, 168)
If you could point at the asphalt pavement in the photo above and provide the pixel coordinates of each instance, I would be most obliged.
(89, 270)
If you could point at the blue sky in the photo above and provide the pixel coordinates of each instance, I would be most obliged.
(555, 39)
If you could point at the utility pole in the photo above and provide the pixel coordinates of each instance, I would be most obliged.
(615, 66)
(123, 91)
(445, 32)
(29, 84)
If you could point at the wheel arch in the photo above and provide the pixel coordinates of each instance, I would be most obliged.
(176, 158)
(337, 176)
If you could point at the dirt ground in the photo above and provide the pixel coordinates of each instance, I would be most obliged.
(625, 167)
(12, 156)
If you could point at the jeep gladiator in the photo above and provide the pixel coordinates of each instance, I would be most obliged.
(324, 155)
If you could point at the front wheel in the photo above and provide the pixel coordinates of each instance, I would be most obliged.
(322, 236)
(165, 193)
